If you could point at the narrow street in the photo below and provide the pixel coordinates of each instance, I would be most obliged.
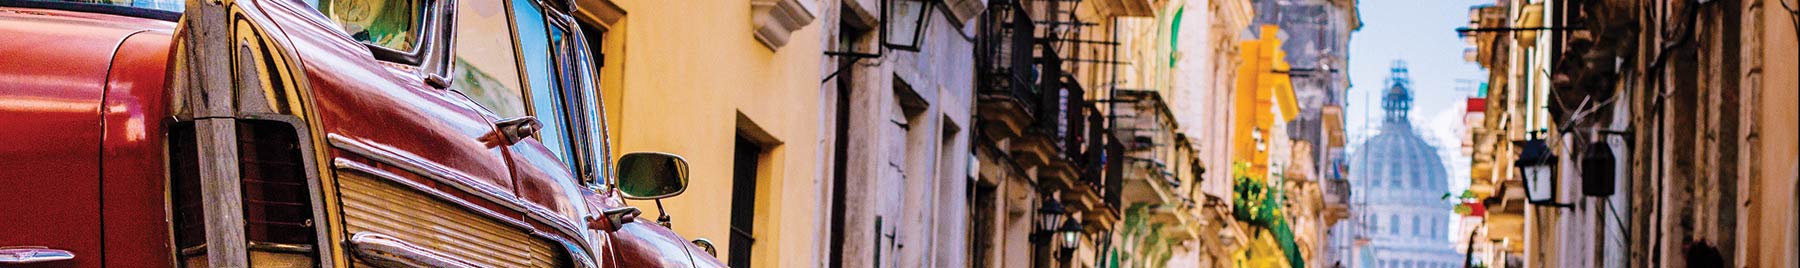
(900, 133)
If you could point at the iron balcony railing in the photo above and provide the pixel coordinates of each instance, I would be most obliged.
(1004, 53)
(1337, 192)
(1021, 57)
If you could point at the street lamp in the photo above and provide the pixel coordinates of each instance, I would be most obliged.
(904, 23)
(1537, 168)
(1045, 230)
(1070, 232)
(1047, 216)
(1597, 166)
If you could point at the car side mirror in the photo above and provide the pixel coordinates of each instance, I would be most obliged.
(707, 245)
(652, 175)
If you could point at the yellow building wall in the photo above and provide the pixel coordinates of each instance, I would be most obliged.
(1264, 98)
(677, 77)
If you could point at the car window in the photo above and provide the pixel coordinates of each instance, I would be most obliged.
(391, 24)
(576, 75)
(587, 83)
(485, 68)
(563, 93)
(548, 99)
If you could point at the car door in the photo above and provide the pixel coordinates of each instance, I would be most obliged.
(569, 151)
(419, 168)
(517, 79)
(546, 164)
(571, 146)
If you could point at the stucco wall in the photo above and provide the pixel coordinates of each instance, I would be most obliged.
(678, 76)
(908, 147)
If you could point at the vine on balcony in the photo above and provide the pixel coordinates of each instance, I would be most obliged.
(1254, 202)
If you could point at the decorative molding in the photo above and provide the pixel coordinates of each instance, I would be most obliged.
(775, 20)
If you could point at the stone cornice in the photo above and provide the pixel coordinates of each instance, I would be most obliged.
(775, 20)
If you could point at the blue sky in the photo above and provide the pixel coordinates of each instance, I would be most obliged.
(1421, 32)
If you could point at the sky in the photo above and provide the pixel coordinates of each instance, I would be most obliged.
(1422, 33)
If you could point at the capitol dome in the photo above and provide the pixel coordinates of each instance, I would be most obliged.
(1399, 180)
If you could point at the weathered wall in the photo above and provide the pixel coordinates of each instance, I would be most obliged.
(1771, 76)
(908, 146)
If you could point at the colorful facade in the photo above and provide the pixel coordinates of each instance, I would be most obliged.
(1264, 103)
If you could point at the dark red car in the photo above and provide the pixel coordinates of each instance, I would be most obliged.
(317, 133)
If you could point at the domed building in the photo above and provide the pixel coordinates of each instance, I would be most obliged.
(1398, 180)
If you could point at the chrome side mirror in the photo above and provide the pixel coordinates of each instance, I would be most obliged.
(652, 175)
(707, 245)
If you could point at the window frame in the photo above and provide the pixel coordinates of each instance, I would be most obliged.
(600, 144)
(431, 56)
(592, 164)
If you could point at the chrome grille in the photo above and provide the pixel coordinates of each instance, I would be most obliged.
(372, 204)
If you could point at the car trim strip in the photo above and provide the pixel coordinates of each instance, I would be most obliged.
(33, 254)
(350, 165)
(460, 181)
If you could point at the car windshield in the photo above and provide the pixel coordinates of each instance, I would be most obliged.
(164, 5)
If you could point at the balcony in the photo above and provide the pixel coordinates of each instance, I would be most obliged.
(1506, 212)
(1007, 90)
(1337, 200)
(1152, 152)
(1027, 95)
(1072, 140)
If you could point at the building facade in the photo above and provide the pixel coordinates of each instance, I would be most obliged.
(734, 91)
(1316, 44)
(1263, 104)
(1665, 131)
(896, 98)
(1045, 164)
(893, 133)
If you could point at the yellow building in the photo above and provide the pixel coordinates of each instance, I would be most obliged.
(1264, 101)
(708, 80)
(1265, 98)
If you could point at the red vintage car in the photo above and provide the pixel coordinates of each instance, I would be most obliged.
(317, 133)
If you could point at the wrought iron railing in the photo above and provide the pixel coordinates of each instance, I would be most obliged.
(1004, 53)
(1021, 57)
(1337, 191)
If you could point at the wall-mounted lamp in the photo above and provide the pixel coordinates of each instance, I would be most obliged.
(1537, 167)
(1070, 234)
(904, 25)
(1048, 215)
(1597, 166)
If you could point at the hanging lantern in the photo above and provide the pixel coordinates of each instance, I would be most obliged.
(1597, 167)
(1537, 168)
(1048, 215)
(1070, 235)
(905, 23)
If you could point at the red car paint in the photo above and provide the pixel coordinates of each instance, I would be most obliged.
(82, 100)
(84, 105)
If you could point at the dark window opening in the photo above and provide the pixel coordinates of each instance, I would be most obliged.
(743, 201)
(981, 223)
